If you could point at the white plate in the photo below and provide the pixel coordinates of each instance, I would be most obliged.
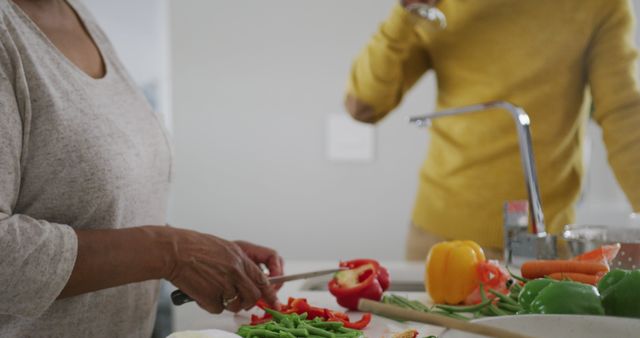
(203, 334)
(565, 326)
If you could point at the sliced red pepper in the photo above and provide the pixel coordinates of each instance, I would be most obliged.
(359, 325)
(364, 279)
(257, 320)
(262, 304)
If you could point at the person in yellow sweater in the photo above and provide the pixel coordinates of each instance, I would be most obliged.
(551, 57)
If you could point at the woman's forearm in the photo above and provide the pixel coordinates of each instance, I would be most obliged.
(113, 257)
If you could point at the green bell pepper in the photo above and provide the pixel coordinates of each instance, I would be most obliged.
(547, 296)
(530, 291)
(620, 293)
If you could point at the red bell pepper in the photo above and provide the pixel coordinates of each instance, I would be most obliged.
(364, 279)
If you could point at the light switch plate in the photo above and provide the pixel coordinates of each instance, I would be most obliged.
(349, 140)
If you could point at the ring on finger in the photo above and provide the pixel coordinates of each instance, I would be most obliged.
(226, 302)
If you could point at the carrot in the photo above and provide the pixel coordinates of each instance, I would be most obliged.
(576, 277)
(541, 268)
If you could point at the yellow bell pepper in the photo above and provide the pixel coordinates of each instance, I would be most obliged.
(450, 273)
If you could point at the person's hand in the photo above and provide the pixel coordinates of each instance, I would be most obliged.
(265, 256)
(217, 273)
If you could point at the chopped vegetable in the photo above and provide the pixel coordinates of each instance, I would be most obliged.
(451, 270)
(283, 325)
(620, 291)
(542, 268)
(365, 278)
(301, 307)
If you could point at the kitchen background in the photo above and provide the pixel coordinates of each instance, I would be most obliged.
(252, 94)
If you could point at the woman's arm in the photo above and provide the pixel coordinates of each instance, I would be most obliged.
(387, 68)
(113, 257)
(611, 67)
(209, 269)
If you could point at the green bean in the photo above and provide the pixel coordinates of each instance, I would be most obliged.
(515, 287)
(328, 325)
(406, 303)
(487, 312)
(347, 330)
(450, 314)
(277, 316)
(289, 322)
(395, 302)
(420, 305)
(502, 297)
(298, 332)
(399, 301)
(317, 331)
(522, 279)
(483, 294)
(497, 311)
(468, 308)
(285, 334)
(263, 333)
(509, 307)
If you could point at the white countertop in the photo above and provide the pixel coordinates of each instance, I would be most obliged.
(191, 317)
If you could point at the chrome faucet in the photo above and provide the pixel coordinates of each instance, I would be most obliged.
(519, 245)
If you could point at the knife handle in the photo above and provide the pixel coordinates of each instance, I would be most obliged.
(178, 298)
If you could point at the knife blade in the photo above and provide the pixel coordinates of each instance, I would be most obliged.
(178, 297)
(288, 278)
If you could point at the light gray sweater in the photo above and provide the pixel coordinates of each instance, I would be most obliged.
(75, 153)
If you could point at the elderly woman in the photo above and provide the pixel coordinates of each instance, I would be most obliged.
(84, 173)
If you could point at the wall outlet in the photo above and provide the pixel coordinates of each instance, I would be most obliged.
(349, 140)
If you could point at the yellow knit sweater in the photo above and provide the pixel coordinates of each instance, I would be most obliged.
(546, 56)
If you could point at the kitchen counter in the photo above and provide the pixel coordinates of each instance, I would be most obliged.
(408, 276)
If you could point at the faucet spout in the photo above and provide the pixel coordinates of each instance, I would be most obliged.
(523, 123)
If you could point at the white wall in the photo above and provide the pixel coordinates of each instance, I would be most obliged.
(139, 32)
(253, 84)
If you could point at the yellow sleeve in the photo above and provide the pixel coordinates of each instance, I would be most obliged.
(390, 64)
(611, 63)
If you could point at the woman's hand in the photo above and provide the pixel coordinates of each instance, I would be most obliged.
(264, 256)
(220, 274)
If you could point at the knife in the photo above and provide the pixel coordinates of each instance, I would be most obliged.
(178, 297)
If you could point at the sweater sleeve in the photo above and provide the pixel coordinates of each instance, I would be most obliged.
(390, 64)
(611, 67)
(36, 257)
